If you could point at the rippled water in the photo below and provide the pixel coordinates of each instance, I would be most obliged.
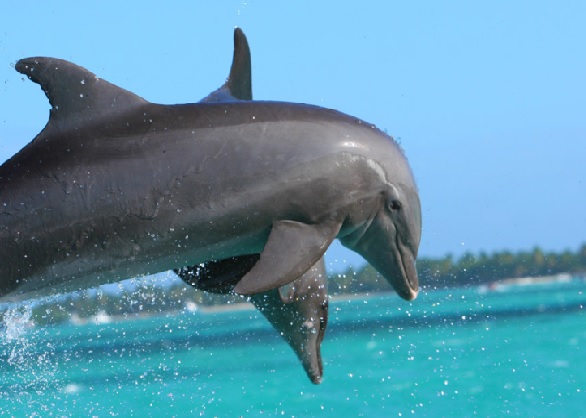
(461, 352)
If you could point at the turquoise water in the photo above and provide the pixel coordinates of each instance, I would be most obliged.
(461, 352)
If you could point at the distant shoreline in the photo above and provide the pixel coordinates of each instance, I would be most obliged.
(114, 307)
(248, 306)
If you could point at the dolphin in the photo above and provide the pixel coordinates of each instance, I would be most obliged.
(115, 186)
(299, 312)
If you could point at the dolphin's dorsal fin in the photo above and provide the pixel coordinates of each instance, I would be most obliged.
(76, 95)
(238, 86)
(239, 81)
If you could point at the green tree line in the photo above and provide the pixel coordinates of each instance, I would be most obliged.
(469, 269)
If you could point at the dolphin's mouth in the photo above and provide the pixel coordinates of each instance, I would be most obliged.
(396, 264)
(323, 323)
(311, 358)
(408, 288)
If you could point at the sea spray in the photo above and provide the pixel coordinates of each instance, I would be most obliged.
(15, 323)
(32, 371)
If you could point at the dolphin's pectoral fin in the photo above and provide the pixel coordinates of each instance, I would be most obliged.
(291, 249)
(298, 311)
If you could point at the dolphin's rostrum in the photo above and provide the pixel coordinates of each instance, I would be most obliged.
(115, 186)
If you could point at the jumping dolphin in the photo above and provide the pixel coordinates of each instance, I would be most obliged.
(300, 312)
(115, 187)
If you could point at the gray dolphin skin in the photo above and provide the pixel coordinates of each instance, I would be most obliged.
(116, 187)
(299, 313)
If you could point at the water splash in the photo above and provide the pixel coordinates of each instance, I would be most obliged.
(15, 324)
(26, 369)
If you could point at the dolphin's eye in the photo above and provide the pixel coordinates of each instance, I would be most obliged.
(395, 205)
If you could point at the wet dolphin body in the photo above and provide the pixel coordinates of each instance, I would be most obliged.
(115, 187)
(299, 312)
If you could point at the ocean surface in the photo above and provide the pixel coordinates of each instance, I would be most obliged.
(510, 351)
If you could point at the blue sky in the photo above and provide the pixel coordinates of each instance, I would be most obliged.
(488, 99)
